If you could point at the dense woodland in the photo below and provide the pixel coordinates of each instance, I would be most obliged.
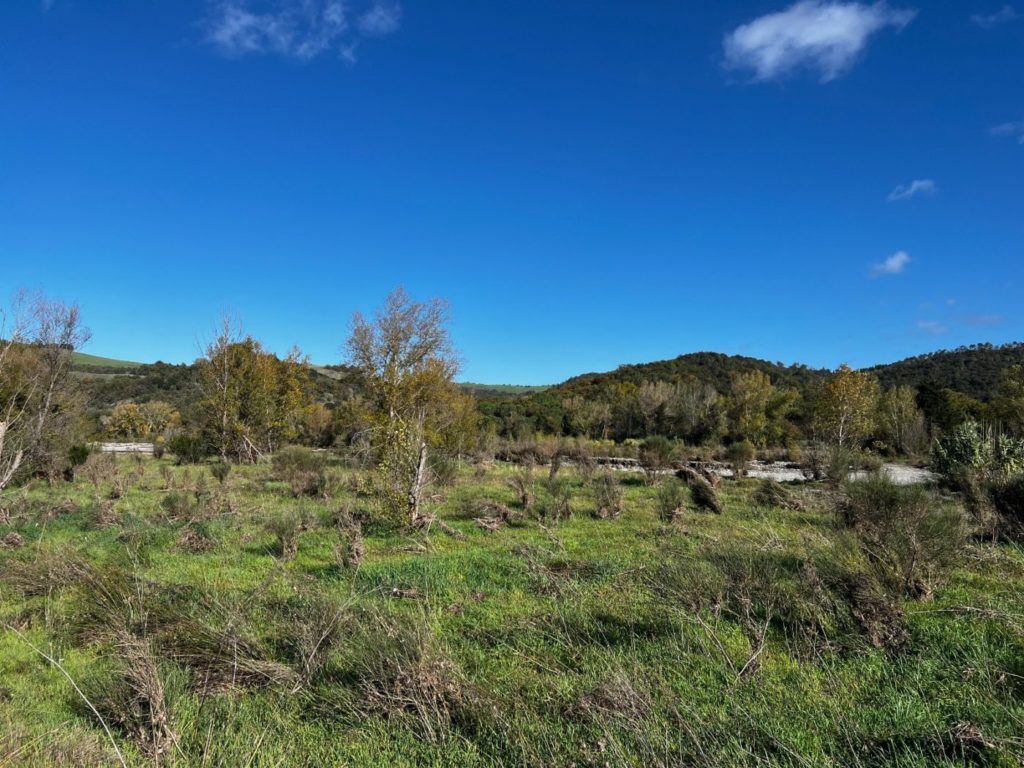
(693, 398)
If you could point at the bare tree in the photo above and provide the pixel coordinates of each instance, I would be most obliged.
(38, 337)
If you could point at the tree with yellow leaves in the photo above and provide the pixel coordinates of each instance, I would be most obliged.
(408, 366)
(846, 407)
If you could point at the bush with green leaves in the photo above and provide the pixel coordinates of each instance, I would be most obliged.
(739, 455)
(1007, 498)
(670, 499)
(285, 528)
(303, 469)
(977, 450)
(220, 471)
(189, 447)
(656, 454)
(913, 537)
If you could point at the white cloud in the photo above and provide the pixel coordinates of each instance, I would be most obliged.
(916, 187)
(380, 20)
(301, 29)
(1013, 130)
(994, 20)
(983, 320)
(822, 35)
(932, 326)
(894, 265)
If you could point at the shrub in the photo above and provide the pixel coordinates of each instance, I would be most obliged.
(178, 505)
(607, 496)
(911, 536)
(655, 455)
(739, 455)
(220, 470)
(99, 468)
(980, 451)
(522, 484)
(189, 448)
(77, 455)
(557, 503)
(670, 499)
(286, 527)
(304, 469)
(1008, 500)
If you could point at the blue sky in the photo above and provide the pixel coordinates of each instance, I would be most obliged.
(588, 182)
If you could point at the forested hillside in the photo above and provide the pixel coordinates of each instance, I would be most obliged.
(973, 371)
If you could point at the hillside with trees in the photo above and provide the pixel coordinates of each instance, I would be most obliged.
(318, 560)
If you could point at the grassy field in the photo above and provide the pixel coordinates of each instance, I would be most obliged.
(239, 625)
(81, 358)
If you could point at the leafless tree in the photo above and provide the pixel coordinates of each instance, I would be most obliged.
(38, 337)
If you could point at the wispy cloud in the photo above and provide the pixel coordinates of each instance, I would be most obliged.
(1013, 130)
(989, 21)
(932, 326)
(381, 19)
(894, 265)
(914, 188)
(301, 29)
(985, 320)
(822, 35)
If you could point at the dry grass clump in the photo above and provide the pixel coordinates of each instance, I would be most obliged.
(522, 484)
(615, 698)
(194, 539)
(67, 746)
(703, 495)
(491, 515)
(405, 675)
(133, 697)
(222, 656)
(12, 540)
(771, 493)
(607, 496)
(44, 574)
(816, 604)
(556, 505)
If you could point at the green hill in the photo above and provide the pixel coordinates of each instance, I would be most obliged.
(80, 360)
(974, 371)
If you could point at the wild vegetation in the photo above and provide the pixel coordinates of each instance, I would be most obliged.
(371, 572)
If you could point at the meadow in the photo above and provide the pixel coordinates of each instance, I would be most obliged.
(156, 614)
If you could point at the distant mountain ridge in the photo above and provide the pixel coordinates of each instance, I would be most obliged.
(974, 370)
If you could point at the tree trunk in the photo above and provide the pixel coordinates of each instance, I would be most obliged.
(13, 463)
(416, 492)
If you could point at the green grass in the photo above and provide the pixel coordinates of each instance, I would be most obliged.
(589, 643)
(498, 390)
(81, 358)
